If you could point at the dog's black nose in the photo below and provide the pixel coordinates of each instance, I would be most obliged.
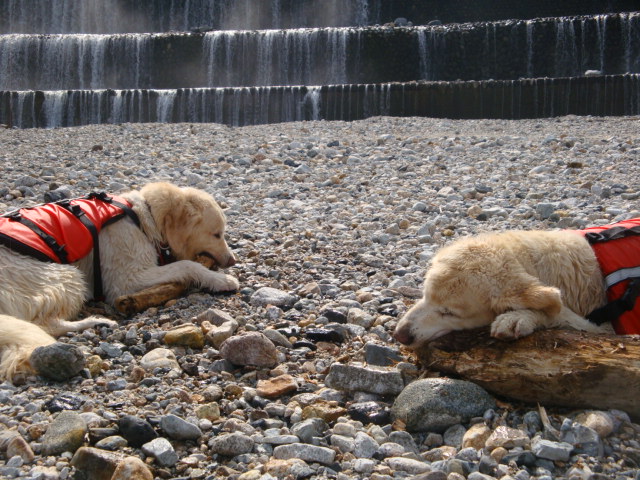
(404, 336)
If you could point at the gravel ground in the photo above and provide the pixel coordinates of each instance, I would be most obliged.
(334, 224)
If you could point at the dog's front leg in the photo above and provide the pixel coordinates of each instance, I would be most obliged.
(184, 272)
(520, 323)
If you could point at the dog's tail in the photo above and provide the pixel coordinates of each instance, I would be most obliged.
(18, 340)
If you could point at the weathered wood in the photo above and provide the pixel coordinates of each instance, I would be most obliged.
(149, 297)
(551, 367)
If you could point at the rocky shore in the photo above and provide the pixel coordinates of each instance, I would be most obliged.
(296, 376)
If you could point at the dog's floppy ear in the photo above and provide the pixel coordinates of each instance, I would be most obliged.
(531, 297)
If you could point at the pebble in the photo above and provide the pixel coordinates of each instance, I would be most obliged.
(332, 248)
(162, 450)
(179, 429)
(65, 434)
(360, 379)
(251, 348)
(435, 404)
(58, 361)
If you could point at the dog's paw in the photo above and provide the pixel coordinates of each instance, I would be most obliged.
(224, 283)
(512, 325)
(98, 321)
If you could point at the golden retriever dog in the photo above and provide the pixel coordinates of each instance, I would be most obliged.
(516, 282)
(40, 300)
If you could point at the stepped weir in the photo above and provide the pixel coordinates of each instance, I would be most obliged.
(262, 61)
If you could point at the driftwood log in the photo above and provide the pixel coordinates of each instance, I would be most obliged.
(158, 294)
(149, 297)
(551, 367)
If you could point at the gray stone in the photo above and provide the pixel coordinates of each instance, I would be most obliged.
(159, 358)
(360, 379)
(65, 434)
(307, 429)
(251, 348)
(405, 439)
(556, 451)
(179, 429)
(58, 361)
(272, 296)
(585, 440)
(95, 464)
(409, 465)
(231, 444)
(435, 404)
(382, 355)
(308, 453)
(364, 446)
(162, 450)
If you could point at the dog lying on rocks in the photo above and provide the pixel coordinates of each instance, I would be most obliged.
(153, 236)
(521, 281)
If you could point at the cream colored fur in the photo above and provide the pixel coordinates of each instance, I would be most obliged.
(517, 282)
(40, 300)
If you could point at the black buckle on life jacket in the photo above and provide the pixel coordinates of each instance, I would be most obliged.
(100, 196)
(614, 309)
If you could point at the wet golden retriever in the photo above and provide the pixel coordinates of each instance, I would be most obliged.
(41, 300)
(516, 282)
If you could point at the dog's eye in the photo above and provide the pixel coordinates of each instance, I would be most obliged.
(446, 312)
(217, 235)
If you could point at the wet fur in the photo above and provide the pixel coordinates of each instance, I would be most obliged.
(40, 301)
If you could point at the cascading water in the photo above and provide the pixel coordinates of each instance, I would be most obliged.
(247, 76)
(127, 16)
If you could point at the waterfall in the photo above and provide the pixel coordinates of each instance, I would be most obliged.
(424, 54)
(530, 40)
(566, 49)
(312, 101)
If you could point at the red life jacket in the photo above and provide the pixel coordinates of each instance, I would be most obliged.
(64, 231)
(617, 248)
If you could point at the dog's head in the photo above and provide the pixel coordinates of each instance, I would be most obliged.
(469, 283)
(191, 221)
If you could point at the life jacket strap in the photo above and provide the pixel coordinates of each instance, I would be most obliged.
(59, 250)
(98, 291)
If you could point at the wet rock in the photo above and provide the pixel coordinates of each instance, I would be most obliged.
(435, 404)
(58, 361)
(360, 379)
(137, 431)
(112, 443)
(65, 434)
(251, 348)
